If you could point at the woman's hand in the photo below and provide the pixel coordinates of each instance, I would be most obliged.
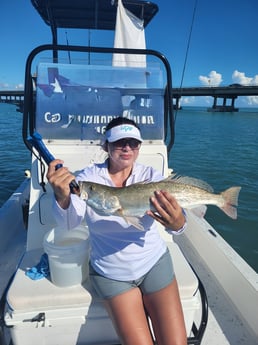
(60, 180)
(168, 212)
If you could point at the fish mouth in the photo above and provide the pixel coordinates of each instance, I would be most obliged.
(84, 195)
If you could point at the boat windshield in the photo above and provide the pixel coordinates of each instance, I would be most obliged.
(76, 101)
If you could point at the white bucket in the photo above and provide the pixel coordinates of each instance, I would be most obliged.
(68, 255)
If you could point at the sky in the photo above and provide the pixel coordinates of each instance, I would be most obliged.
(223, 48)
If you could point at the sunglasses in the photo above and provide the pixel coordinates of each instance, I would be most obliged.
(122, 143)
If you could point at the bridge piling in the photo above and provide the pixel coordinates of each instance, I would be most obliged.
(224, 107)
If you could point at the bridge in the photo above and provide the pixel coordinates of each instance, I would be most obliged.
(222, 92)
(13, 97)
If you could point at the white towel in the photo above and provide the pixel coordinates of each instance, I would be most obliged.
(129, 33)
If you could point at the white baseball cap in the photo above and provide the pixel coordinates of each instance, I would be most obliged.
(123, 131)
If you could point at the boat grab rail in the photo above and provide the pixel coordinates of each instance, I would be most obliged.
(199, 332)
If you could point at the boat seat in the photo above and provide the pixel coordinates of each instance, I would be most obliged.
(29, 298)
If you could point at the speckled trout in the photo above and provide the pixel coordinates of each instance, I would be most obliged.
(133, 201)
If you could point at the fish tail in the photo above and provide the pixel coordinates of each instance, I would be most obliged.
(230, 197)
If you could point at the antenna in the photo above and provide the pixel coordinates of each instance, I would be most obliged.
(89, 44)
(68, 52)
(187, 48)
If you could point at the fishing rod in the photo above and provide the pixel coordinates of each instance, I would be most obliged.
(187, 49)
(36, 141)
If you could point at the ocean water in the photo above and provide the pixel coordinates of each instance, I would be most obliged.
(14, 157)
(220, 148)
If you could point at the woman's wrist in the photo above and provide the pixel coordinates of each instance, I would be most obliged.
(181, 229)
(63, 202)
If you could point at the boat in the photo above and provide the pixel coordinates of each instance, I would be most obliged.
(66, 108)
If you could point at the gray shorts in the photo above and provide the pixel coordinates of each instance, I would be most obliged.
(158, 277)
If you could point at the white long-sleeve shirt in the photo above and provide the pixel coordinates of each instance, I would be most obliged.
(118, 250)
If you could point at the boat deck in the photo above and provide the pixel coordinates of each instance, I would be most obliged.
(224, 325)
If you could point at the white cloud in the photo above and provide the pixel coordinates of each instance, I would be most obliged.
(241, 78)
(196, 101)
(252, 100)
(19, 87)
(4, 86)
(7, 86)
(255, 80)
(213, 79)
(187, 100)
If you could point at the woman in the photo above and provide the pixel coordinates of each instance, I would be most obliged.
(130, 269)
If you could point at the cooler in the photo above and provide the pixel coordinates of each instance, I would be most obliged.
(40, 313)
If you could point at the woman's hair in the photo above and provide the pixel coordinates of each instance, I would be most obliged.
(120, 121)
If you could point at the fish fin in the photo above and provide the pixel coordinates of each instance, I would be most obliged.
(175, 178)
(231, 201)
(199, 211)
(135, 221)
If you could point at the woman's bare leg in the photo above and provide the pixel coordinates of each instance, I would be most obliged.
(165, 310)
(128, 315)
